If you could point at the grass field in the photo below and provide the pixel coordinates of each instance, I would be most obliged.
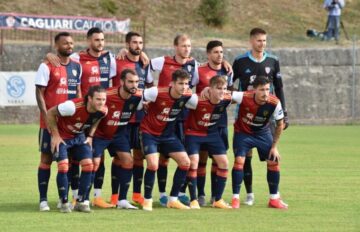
(320, 182)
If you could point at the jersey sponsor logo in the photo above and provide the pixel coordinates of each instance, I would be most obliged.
(15, 86)
(247, 70)
(94, 70)
(267, 70)
(116, 114)
(280, 112)
(63, 91)
(63, 81)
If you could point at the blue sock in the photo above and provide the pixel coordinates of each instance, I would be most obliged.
(138, 172)
(62, 184)
(87, 195)
(43, 180)
(75, 174)
(213, 179)
(237, 175)
(191, 179)
(201, 179)
(183, 187)
(124, 176)
(221, 177)
(273, 178)
(178, 180)
(99, 176)
(149, 180)
(85, 182)
(161, 177)
(248, 175)
(114, 178)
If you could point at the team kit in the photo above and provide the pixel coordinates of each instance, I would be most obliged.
(91, 102)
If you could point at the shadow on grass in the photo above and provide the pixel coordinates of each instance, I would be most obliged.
(19, 207)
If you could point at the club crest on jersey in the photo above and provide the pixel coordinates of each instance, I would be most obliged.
(74, 72)
(105, 60)
(267, 70)
(163, 103)
(189, 68)
(203, 109)
(265, 113)
(221, 109)
(142, 71)
(57, 73)
(113, 106)
(181, 104)
(116, 114)
(45, 145)
(63, 81)
(78, 119)
(131, 106)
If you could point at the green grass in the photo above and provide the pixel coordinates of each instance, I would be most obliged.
(320, 181)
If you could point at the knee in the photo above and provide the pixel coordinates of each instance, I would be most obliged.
(239, 163)
(87, 165)
(96, 165)
(46, 159)
(63, 166)
(127, 162)
(152, 164)
(184, 162)
(273, 166)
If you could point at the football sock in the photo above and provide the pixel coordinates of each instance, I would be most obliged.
(192, 182)
(85, 181)
(273, 178)
(124, 176)
(138, 172)
(162, 176)
(75, 174)
(248, 174)
(149, 180)
(115, 166)
(99, 176)
(43, 180)
(213, 178)
(201, 178)
(178, 180)
(221, 177)
(237, 175)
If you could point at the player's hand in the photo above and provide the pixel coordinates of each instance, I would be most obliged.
(274, 154)
(144, 59)
(145, 106)
(205, 93)
(286, 120)
(227, 67)
(55, 143)
(53, 59)
(122, 54)
(89, 140)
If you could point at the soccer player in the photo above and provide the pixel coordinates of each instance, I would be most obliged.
(67, 123)
(202, 130)
(112, 132)
(54, 85)
(134, 46)
(158, 133)
(99, 67)
(246, 68)
(251, 130)
(214, 66)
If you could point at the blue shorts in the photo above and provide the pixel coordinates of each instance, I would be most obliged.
(133, 130)
(45, 141)
(179, 131)
(166, 144)
(78, 148)
(120, 143)
(212, 143)
(243, 143)
(223, 131)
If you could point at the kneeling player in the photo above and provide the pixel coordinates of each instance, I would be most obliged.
(251, 130)
(67, 123)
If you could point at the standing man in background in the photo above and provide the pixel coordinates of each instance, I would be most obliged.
(333, 22)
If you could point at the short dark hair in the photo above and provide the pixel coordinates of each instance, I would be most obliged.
(180, 37)
(180, 74)
(126, 72)
(92, 31)
(92, 90)
(257, 31)
(129, 35)
(260, 80)
(218, 80)
(59, 35)
(212, 44)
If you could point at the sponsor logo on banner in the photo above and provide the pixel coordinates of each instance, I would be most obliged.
(16, 86)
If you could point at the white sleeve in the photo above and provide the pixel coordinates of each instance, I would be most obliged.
(75, 56)
(192, 102)
(43, 75)
(149, 78)
(195, 78)
(278, 112)
(80, 74)
(150, 94)
(157, 64)
(230, 79)
(112, 65)
(237, 96)
(67, 108)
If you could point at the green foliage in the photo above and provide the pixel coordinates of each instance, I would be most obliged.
(109, 6)
(214, 12)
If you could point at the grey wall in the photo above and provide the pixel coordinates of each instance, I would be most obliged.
(318, 82)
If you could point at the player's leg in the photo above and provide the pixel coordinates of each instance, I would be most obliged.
(98, 183)
(201, 177)
(61, 178)
(44, 168)
(115, 182)
(248, 179)
(183, 165)
(162, 178)
(221, 178)
(75, 175)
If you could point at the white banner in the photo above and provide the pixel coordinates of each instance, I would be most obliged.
(17, 89)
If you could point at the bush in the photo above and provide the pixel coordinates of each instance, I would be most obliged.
(214, 12)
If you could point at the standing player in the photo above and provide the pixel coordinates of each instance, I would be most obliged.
(99, 67)
(158, 133)
(246, 68)
(201, 130)
(54, 85)
(134, 46)
(213, 67)
(251, 130)
(112, 132)
(67, 123)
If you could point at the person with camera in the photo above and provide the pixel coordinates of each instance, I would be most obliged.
(333, 23)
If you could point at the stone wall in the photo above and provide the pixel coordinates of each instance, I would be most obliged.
(318, 82)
